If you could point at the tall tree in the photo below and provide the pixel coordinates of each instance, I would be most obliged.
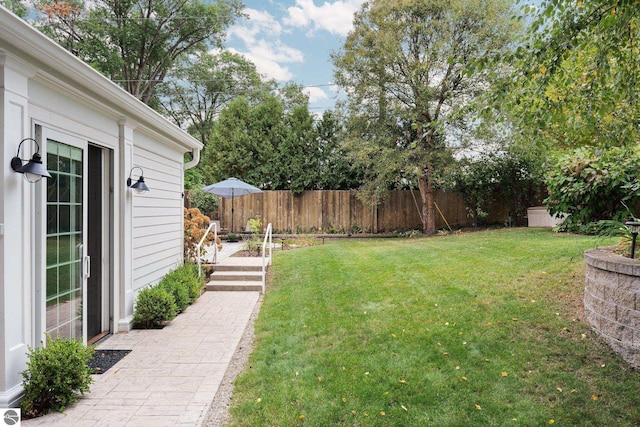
(575, 77)
(198, 87)
(406, 68)
(336, 172)
(136, 43)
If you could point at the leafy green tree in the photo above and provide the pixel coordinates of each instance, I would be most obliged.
(197, 88)
(336, 171)
(244, 141)
(594, 183)
(406, 67)
(509, 177)
(573, 81)
(136, 43)
(572, 88)
(16, 6)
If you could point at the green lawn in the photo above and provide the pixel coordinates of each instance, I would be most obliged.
(470, 329)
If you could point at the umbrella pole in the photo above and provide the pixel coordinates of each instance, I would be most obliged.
(232, 210)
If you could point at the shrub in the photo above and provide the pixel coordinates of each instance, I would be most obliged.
(186, 277)
(154, 307)
(195, 226)
(593, 183)
(203, 200)
(55, 376)
(178, 290)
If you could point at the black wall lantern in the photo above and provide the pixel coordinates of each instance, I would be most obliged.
(33, 171)
(139, 186)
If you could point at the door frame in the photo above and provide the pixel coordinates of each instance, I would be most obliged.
(42, 133)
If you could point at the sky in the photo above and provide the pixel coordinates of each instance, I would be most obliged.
(292, 40)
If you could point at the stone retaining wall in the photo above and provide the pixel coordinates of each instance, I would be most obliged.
(612, 301)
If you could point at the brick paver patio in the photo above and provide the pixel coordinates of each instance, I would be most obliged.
(171, 375)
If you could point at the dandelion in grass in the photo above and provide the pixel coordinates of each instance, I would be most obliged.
(504, 374)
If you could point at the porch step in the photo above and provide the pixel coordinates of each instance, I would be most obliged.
(234, 276)
(237, 285)
(237, 274)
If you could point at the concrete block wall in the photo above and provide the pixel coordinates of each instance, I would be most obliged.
(612, 301)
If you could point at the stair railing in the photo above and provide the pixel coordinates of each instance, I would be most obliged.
(267, 238)
(215, 246)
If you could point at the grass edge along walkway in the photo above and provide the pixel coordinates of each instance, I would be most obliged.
(471, 329)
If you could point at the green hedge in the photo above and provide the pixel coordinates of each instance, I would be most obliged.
(175, 292)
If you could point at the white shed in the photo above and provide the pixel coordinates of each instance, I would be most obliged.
(76, 248)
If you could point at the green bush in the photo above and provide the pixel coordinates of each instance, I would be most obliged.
(203, 200)
(154, 307)
(178, 290)
(55, 376)
(589, 184)
(187, 276)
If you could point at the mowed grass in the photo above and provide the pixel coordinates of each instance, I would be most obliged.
(471, 329)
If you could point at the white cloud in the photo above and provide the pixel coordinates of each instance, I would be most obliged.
(261, 36)
(335, 17)
(315, 94)
(259, 23)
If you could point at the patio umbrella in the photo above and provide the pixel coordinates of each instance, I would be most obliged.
(229, 188)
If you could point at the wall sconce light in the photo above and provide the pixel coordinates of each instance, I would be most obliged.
(139, 186)
(33, 171)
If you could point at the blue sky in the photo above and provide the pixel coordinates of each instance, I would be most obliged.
(291, 40)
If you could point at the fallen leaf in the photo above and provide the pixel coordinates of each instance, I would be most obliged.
(404, 407)
(464, 378)
(559, 389)
(319, 379)
(594, 396)
(551, 421)
(258, 400)
(402, 381)
(504, 374)
(457, 367)
(382, 413)
(478, 407)
(344, 399)
(301, 417)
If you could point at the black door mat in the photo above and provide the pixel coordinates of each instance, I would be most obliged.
(104, 359)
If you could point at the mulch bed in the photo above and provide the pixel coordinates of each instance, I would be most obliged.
(104, 359)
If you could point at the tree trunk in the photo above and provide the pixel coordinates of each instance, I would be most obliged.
(428, 202)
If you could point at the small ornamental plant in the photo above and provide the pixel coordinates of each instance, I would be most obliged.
(195, 227)
(154, 308)
(56, 376)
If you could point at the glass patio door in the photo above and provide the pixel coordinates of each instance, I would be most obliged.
(67, 264)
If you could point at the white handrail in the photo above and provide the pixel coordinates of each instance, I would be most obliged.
(215, 246)
(267, 238)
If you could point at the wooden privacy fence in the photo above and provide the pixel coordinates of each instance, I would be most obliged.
(340, 211)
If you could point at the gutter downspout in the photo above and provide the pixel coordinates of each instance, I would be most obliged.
(196, 159)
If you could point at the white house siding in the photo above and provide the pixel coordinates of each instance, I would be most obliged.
(157, 236)
(42, 86)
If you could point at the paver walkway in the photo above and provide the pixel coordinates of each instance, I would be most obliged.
(171, 375)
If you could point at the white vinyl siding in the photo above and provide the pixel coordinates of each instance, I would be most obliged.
(157, 214)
